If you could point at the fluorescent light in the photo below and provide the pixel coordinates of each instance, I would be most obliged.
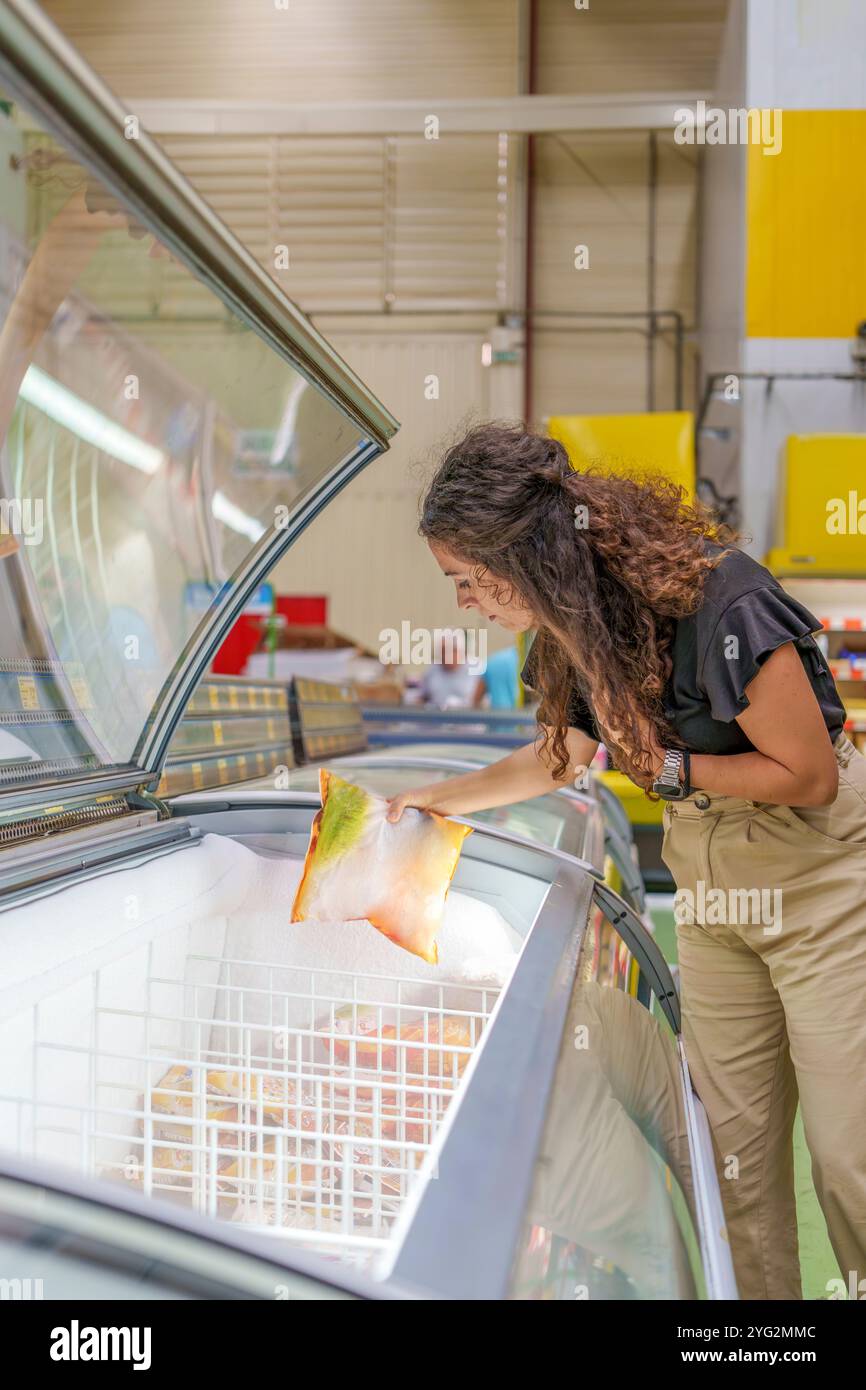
(232, 516)
(74, 414)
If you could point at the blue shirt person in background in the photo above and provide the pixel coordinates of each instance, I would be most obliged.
(500, 680)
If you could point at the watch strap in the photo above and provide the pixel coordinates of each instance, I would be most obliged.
(670, 773)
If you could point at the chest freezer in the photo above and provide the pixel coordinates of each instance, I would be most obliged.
(163, 1039)
(231, 730)
(196, 1099)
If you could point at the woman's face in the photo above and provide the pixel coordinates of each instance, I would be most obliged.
(493, 598)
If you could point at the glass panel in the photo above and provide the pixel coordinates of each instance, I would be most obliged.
(148, 440)
(482, 753)
(621, 873)
(611, 1210)
(401, 724)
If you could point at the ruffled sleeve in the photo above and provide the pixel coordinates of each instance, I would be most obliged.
(750, 629)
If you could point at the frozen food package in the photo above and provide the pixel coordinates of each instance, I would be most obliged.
(176, 1166)
(362, 1035)
(232, 1095)
(360, 865)
(436, 1038)
(175, 1093)
(170, 1130)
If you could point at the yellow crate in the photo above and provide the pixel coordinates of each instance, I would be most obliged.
(639, 809)
(657, 442)
(822, 484)
(612, 875)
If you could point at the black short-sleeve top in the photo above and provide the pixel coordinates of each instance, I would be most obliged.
(744, 617)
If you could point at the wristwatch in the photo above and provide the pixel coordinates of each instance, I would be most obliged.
(668, 784)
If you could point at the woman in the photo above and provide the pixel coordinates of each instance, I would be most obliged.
(704, 680)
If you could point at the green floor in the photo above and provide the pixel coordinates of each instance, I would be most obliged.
(817, 1261)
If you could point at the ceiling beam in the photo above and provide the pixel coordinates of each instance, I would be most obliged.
(515, 114)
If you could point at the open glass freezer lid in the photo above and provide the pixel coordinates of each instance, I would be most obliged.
(170, 422)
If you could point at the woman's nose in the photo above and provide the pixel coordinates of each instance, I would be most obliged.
(466, 601)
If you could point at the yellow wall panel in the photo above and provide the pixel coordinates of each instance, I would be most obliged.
(806, 219)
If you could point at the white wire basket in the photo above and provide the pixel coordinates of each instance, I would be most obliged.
(299, 1101)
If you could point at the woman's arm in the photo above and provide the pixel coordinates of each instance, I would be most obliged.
(517, 777)
(794, 763)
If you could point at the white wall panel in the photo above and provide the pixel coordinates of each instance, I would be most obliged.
(368, 223)
(364, 551)
(628, 45)
(323, 199)
(723, 261)
(308, 51)
(594, 191)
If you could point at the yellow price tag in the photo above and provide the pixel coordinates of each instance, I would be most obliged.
(27, 692)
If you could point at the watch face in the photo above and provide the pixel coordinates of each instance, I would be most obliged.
(675, 792)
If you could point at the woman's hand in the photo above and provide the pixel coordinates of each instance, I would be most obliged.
(421, 799)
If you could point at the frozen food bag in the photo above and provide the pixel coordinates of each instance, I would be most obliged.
(271, 1092)
(360, 865)
(357, 1036)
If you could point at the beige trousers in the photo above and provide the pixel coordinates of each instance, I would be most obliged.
(771, 931)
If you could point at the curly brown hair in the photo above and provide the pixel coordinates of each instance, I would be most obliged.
(606, 563)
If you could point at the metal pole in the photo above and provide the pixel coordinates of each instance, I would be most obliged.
(651, 270)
